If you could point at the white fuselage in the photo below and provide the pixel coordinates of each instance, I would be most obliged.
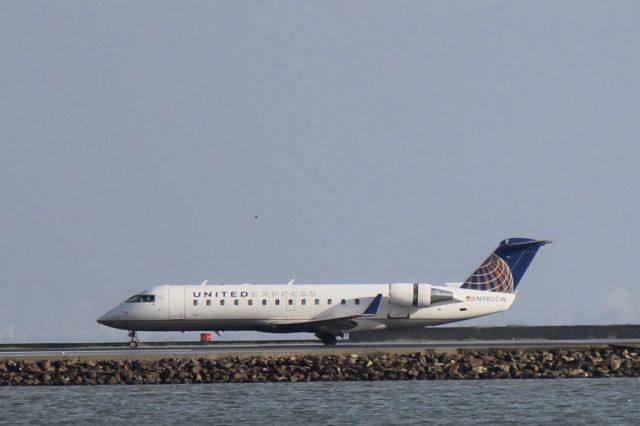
(289, 308)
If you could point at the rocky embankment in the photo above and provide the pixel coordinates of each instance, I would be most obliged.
(493, 364)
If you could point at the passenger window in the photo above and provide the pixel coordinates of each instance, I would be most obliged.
(277, 301)
(236, 302)
(195, 303)
(209, 302)
(221, 302)
(304, 301)
(328, 301)
(357, 301)
(317, 301)
(343, 302)
(264, 301)
(250, 302)
(290, 302)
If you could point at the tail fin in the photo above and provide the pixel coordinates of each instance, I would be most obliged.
(504, 268)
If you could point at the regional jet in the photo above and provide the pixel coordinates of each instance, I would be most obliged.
(327, 310)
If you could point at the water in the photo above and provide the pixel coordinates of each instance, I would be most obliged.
(569, 401)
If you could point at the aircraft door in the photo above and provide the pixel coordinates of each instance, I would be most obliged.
(176, 302)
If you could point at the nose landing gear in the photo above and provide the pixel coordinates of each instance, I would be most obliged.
(133, 343)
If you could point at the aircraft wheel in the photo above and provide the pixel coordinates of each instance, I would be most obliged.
(328, 339)
(133, 344)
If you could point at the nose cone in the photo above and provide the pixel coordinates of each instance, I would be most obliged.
(116, 318)
(104, 319)
(111, 318)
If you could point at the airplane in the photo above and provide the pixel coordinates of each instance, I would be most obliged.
(327, 310)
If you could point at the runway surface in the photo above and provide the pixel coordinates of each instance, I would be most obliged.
(253, 349)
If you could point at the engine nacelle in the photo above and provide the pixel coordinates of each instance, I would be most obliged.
(410, 295)
(416, 295)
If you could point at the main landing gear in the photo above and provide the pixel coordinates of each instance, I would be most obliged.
(133, 343)
(327, 339)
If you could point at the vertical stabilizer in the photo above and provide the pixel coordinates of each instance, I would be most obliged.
(504, 268)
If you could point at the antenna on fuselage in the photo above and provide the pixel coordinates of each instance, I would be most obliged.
(292, 281)
(204, 282)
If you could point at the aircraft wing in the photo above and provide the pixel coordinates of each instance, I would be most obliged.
(336, 325)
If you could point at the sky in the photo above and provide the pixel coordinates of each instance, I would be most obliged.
(376, 141)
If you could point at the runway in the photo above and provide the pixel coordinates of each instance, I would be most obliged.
(221, 349)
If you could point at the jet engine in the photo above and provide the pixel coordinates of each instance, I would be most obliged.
(416, 295)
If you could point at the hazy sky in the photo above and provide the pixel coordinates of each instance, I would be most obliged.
(377, 142)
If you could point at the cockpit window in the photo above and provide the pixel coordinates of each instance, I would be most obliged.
(141, 298)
